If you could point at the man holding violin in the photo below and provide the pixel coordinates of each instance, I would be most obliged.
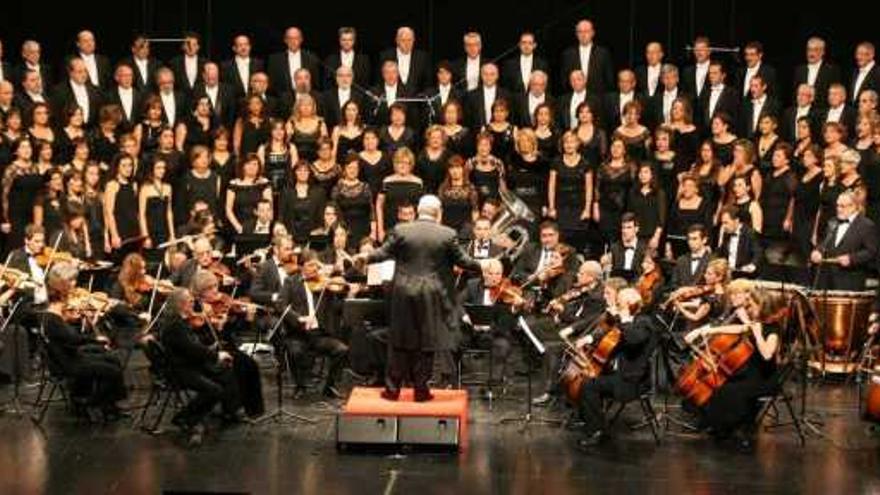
(203, 259)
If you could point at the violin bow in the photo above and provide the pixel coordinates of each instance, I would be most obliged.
(155, 289)
(52, 255)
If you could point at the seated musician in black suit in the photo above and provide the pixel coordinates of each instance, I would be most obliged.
(625, 257)
(263, 222)
(203, 258)
(537, 258)
(271, 273)
(204, 369)
(739, 244)
(630, 373)
(689, 268)
(849, 249)
(81, 358)
(304, 328)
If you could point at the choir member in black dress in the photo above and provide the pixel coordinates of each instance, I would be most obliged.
(397, 134)
(74, 187)
(40, 128)
(546, 132)
(200, 183)
(401, 187)
(431, 162)
(686, 136)
(72, 129)
(527, 172)
(48, 209)
(305, 127)
(355, 201)
(570, 192)
(222, 159)
(667, 165)
(245, 192)
(705, 169)
(806, 200)
(767, 142)
(723, 139)
(301, 203)
(148, 129)
(743, 165)
(459, 140)
(502, 131)
(252, 128)
(688, 210)
(486, 170)
(278, 155)
(197, 127)
(156, 218)
(121, 207)
(614, 179)
(325, 170)
(850, 179)
(592, 60)
(105, 136)
(348, 134)
(649, 203)
(777, 204)
(94, 203)
(459, 197)
(22, 184)
(375, 164)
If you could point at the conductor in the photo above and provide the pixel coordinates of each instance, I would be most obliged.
(422, 299)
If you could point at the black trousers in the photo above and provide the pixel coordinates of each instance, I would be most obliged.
(103, 371)
(211, 389)
(299, 352)
(413, 366)
(250, 386)
(593, 392)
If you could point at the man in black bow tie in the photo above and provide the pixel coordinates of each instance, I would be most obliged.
(625, 257)
(689, 268)
(848, 249)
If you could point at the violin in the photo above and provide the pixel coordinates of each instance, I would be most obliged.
(147, 284)
(557, 304)
(49, 256)
(17, 279)
(507, 292)
(647, 284)
(82, 302)
(322, 283)
(687, 294)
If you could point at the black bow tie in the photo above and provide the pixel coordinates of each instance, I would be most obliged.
(696, 258)
(843, 222)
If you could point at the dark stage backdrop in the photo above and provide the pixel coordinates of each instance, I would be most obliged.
(623, 25)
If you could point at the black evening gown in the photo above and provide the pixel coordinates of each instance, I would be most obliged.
(686, 145)
(325, 180)
(681, 219)
(650, 209)
(458, 204)
(374, 173)
(301, 215)
(389, 145)
(806, 207)
(570, 201)
(306, 143)
(432, 172)
(487, 182)
(776, 194)
(53, 217)
(636, 146)
(355, 203)
(247, 197)
(724, 152)
(502, 143)
(528, 181)
(613, 187)
(595, 148)
(157, 223)
(200, 189)
(253, 135)
(548, 146)
(397, 193)
(461, 143)
(346, 145)
(277, 168)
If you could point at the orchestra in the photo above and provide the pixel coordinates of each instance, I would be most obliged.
(199, 205)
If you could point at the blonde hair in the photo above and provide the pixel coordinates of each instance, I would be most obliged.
(526, 140)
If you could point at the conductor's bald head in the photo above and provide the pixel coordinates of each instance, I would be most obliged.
(430, 207)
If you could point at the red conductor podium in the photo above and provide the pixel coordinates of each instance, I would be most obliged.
(369, 420)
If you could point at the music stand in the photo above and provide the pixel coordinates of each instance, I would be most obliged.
(14, 405)
(527, 419)
(280, 414)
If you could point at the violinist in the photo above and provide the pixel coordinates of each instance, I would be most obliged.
(626, 254)
(700, 304)
(544, 262)
(222, 319)
(485, 292)
(629, 373)
(134, 286)
(204, 369)
(24, 259)
(304, 332)
(203, 259)
(272, 272)
(650, 282)
(335, 258)
(731, 410)
(81, 358)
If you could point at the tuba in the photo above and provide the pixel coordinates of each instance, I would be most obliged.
(506, 228)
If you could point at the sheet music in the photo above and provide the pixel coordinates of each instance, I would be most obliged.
(539, 346)
(379, 273)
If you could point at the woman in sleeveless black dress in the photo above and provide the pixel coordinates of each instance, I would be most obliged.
(570, 193)
(355, 202)
(301, 204)
(375, 164)
(48, 209)
(348, 136)
(278, 156)
(201, 184)
(244, 194)
(806, 200)
(527, 172)
(486, 170)
(156, 217)
(121, 208)
(22, 184)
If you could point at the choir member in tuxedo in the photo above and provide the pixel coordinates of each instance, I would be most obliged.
(614, 102)
(648, 75)
(414, 66)
(866, 74)
(32, 92)
(31, 62)
(77, 90)
(535, 96)
(739, 244)
(626, 254)
(444, 91)
(347, 56)
(592, 60)
(466, 70)
(125, 94)
(338, 94)
(7, 99)
(387, 93)
(690, 267)
(517, 71)
(659, 107)
(263, 221)
(143, 64)
(5, 67)
(97, 66)
(753, 54)
(187, 66)
(570, 102)
(174, 102)
(838, 110)
(259, 87)
(756, 106)
(718, 97)
(282, 66)
(236, 72)
(805, 107)
(816, 71)
(480, 100)
(849, 249)
(695, 78)
(221, 96)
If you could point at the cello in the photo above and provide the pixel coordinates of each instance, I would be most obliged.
(589, 361)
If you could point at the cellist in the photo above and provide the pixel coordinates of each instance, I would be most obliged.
(731, 410)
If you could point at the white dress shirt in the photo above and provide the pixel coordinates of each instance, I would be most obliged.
(91, 67)
(310, 300)
(191, 67)
(544, 260)
(294, 63)
(481, 249)
(757, 106)
(170, 107)
(584, 54)
(834, 113)
(842, 227)
(668, 97)
(702, 69)
(714, 95)
(802, 111)
(343, 95)
(243, 67)
(126, 97)
(38, 275)
(577, 98)
(860, 79)
(444, 90)
(813, 72)
(732, 246)
(264, 228)
(143, 68)
(695, 263)
(653, 78)
(629, 254)
(750, 73)
(2, 75)
(212, 92)
(488, 100)
(346, 59)
(525, 68)
(624, 99)
(81, 94)
(390, 94)
(403, 64)
(534, 101)
(472, 72)
(36, 97)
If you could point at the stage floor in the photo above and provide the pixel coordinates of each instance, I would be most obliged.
(71, 458)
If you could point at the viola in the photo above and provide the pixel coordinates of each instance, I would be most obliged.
(507, 292)
(148, 283)
(557, 304)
